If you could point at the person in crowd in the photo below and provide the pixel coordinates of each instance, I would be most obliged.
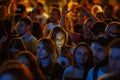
(37, 30)
(15, 46)
(87, 33)
(113, 29)
(78, 34)
(23, 28)
(47, 58)
(112, 51)
(60, 39)
(13, 70)
(109, 12)
(42, 16)
(114, 55)
(30, 61)
(21, 9)
(100, 67)
(3, 32)
(83, 61)
(54, 21)
(98, 28)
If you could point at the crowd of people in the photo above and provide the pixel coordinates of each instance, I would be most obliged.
(79, 43)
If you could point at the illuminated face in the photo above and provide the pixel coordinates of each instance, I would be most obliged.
(60, 39)
(41, 52)
(7, 76)
(20, 27)
(98, 52)
(114, 59)
(81, 55)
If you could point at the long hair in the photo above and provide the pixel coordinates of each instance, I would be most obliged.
(34, 67)
(57, 29)
(50, 48)
(18, 46)
(89, 62)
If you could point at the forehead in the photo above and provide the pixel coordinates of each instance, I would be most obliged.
(81, 49)
(60, 35)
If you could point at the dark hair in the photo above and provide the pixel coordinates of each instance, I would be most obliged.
(103, 40)
(37, 30)
(40, 4)
(27, 21)
(16, 43)
(50, 48)
(20, 8)
(98, 27)
(34, 67)
(78, 28)
(89, 63)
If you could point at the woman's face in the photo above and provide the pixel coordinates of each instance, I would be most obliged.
(114, 59)
(41, 52)
(81, 55)
(60, 39)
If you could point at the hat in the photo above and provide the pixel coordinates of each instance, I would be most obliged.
(20, 8)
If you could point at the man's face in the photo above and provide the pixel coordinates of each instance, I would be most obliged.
(60, 39)
(114, 59)
(98, 52)
(21, 28)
